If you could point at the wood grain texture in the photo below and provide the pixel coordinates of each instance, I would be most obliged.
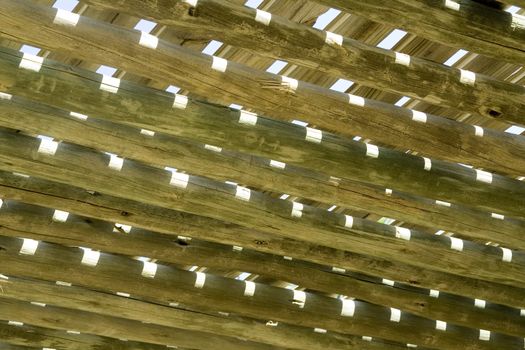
(29, 337)
(116, 273)
(330, 110)
(164, 151)
(472, 26)
(286, 142)
(365, 64)
(83, 167)
(101, 206)
(77, 298)
(59, 318)
(22, 220)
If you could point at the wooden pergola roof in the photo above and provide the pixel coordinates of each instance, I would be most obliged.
(275, 174)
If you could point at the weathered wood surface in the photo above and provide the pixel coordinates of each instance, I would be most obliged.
(161, 151)
(465, 24)
(79, 166)
(30, 336)
(202, 121)
(101, 42)
(115, 327)
(374, 67)
(82, 299)
(125, 211)
(392, 169)
(101, 206)
(22, 220)
(115, 273)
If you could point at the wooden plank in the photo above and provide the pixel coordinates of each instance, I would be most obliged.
(125, 211)
(368, 65)
(78, 166)
(22, 220)
(201, 121)
(86, 300)
(191, 70)
(119, 274)
(392, 169)
(115, 327)
(30, 336)
(463, 24)
(161, 150)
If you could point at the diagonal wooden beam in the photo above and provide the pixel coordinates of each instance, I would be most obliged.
(106, 304)
(21, 220)
(305, 46)
(28, 337)
(78, 166)
(366, 163)
(129, 212)
(115, 327)
(161, 150)
(268, 93)
(207, 291)
(463, 24)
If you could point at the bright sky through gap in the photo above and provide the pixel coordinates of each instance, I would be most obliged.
(455, 57)
(145, 26)
(31, 50)
(277, 67)
(253, 3)
(342, 85)
(325, 19)
(392, 39)
(67, 5)
(212, 47)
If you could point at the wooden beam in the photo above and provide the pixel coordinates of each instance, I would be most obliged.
(129, 212)
(78, 166)
(462, 24)
(115, 327)
(87, 300)
(392, 169)
(22, 220)
(161, 150)
(30, 336)
(365, 64)
(114, 273)
(274, 140)
(277, 97)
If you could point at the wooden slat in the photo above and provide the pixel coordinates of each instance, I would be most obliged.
(78, 166)
(30, 336)
(118, 328)
(120, 274)
(463, 24)
(263, 91)
(22, 220)
(365, 64)
(82, 299)
(125, 211)
(259, 173)
(201, 121)
(445, 181)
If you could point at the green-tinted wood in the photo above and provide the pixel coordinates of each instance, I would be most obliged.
(330, 110)
(248, 170)
(119, 328)
(119, 274)
(22, 220)
(463, 24)
(218, 126)
(77, 298)
(83, 167)
(366, 64)
(26, 336)
(125, 211)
